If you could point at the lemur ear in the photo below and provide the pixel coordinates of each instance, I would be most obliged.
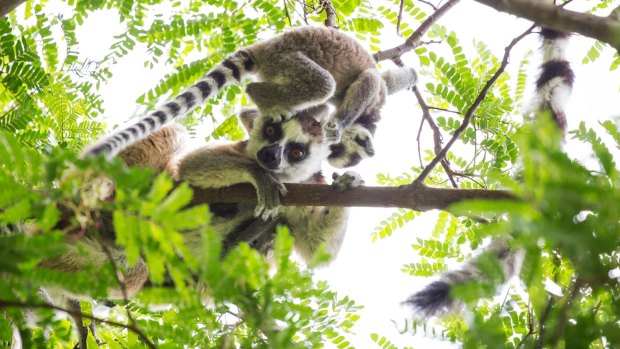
(247, 116)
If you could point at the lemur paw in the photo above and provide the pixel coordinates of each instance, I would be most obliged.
(356, 144)
(278, 113)
(347, 180)
(268, 191)
(332, 131)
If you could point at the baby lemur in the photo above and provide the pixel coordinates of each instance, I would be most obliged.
(298, 69)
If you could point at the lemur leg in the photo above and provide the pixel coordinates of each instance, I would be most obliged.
(359, 96)
(293, 82)
(212, 167)
(76, 314)
(325, 224)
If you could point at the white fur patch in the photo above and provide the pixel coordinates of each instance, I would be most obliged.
(554, 49)
(555, 94)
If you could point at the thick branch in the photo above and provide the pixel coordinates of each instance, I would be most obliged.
(606, 29)
(415, 198)
(7, 6)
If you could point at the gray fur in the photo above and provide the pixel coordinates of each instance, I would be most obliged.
(298, 69)
(356, 142)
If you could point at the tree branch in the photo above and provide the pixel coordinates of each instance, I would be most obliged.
(7, 6)
(419, 199)
(327, 6)
(131, 327)
(472, 109)
(426, 116)
(605, 29)
(414, 40)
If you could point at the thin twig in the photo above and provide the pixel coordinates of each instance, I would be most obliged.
(288, 15)
(330, 13)
(562, 318)
(541, 323)
(400, 16)
(419, 143)
(426, 115)
(429, 4)
(446, 110)
(130, 327)
(429, 42)
(530, 327)
(472, 109)
(117, 275)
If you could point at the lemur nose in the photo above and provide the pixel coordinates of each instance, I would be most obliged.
(270, 156)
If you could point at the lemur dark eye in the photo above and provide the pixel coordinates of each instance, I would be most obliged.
(297, 154)
(270, 131)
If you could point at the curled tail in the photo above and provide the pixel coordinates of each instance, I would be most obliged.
(233, 69)
(436, 299)
(555, 82)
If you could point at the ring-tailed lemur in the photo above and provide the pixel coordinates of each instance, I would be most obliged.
(553, 89)
(297, 69)
(295, 160)
(264, 160)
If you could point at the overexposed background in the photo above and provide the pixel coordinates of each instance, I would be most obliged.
(370, 272)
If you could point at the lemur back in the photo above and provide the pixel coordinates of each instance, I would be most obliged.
(553, 88)
(298, 69)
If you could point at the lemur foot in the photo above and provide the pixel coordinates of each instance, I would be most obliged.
(278, 113)
(347, 180)
(268, 191)
(356, 144)
(332, 131)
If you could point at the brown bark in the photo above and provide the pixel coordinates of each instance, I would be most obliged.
(416, 198)
(605, 29)
(7, 6)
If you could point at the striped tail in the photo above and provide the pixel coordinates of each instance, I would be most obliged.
(232, 70)
(435, 299)
(555, 82)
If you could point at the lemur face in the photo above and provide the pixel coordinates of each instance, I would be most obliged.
(292, 149)
(354, 146)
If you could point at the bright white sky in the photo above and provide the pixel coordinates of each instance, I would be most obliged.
(370, 273)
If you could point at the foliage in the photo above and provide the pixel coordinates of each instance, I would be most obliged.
(50, 107)
(248, 305)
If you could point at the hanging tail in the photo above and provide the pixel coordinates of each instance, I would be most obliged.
(436, 298)
(555, 82)
(402, 78)
(232, 70)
